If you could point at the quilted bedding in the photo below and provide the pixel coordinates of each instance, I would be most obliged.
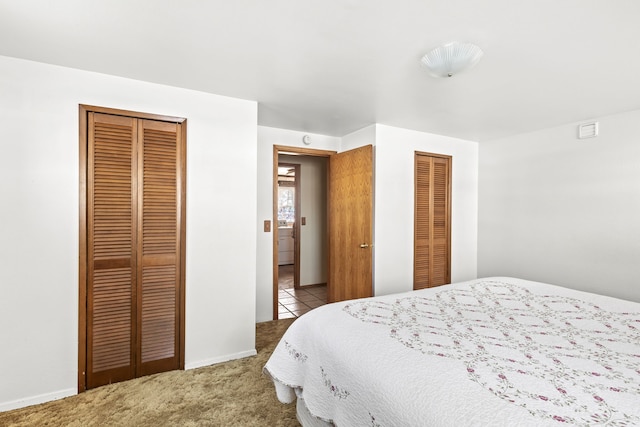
(495, 351)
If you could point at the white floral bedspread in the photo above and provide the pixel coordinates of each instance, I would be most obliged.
(489, 352)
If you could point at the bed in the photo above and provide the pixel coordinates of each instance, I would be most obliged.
(488, 352)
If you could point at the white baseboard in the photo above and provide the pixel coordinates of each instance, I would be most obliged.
(35, 400)
(216, 360)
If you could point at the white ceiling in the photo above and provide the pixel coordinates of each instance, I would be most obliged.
(335, 66)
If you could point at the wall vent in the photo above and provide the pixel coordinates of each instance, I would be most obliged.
(588, 130)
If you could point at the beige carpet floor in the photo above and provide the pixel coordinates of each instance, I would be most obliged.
(234, 393)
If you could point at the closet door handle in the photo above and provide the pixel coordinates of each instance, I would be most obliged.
(364, 246)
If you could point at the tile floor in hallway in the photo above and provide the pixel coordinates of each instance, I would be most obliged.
(295, 302)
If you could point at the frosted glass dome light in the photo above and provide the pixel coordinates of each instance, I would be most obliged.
(451, 58)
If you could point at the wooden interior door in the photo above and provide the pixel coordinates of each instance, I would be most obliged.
(132, 247)
(432, 221)
(350, 208)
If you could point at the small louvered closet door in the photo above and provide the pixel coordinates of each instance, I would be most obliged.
(134, 254)
(432, 222)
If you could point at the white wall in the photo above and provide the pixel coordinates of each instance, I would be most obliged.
(267, 138)
(359, 138)
(39, 221)
(313, 207)
(394, 203)
(558, 209)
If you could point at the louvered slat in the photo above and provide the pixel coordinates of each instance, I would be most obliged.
(422, 226)
(158, 313)
(423, 190)
(112, 298)
(112, 193)
(160, 192)
(439, 262)
(439, 254)
(159, 246)
(111, 228)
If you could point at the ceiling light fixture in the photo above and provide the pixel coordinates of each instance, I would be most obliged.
(451, 58)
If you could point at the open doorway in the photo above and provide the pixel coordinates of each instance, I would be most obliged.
(302, 234)
(300, 216)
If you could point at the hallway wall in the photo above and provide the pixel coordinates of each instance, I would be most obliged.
(313, 235)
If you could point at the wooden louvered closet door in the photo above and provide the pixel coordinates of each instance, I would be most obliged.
(432, 223)
(134, 253)
(158, 247)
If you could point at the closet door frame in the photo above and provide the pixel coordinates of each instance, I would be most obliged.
(84, 111)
